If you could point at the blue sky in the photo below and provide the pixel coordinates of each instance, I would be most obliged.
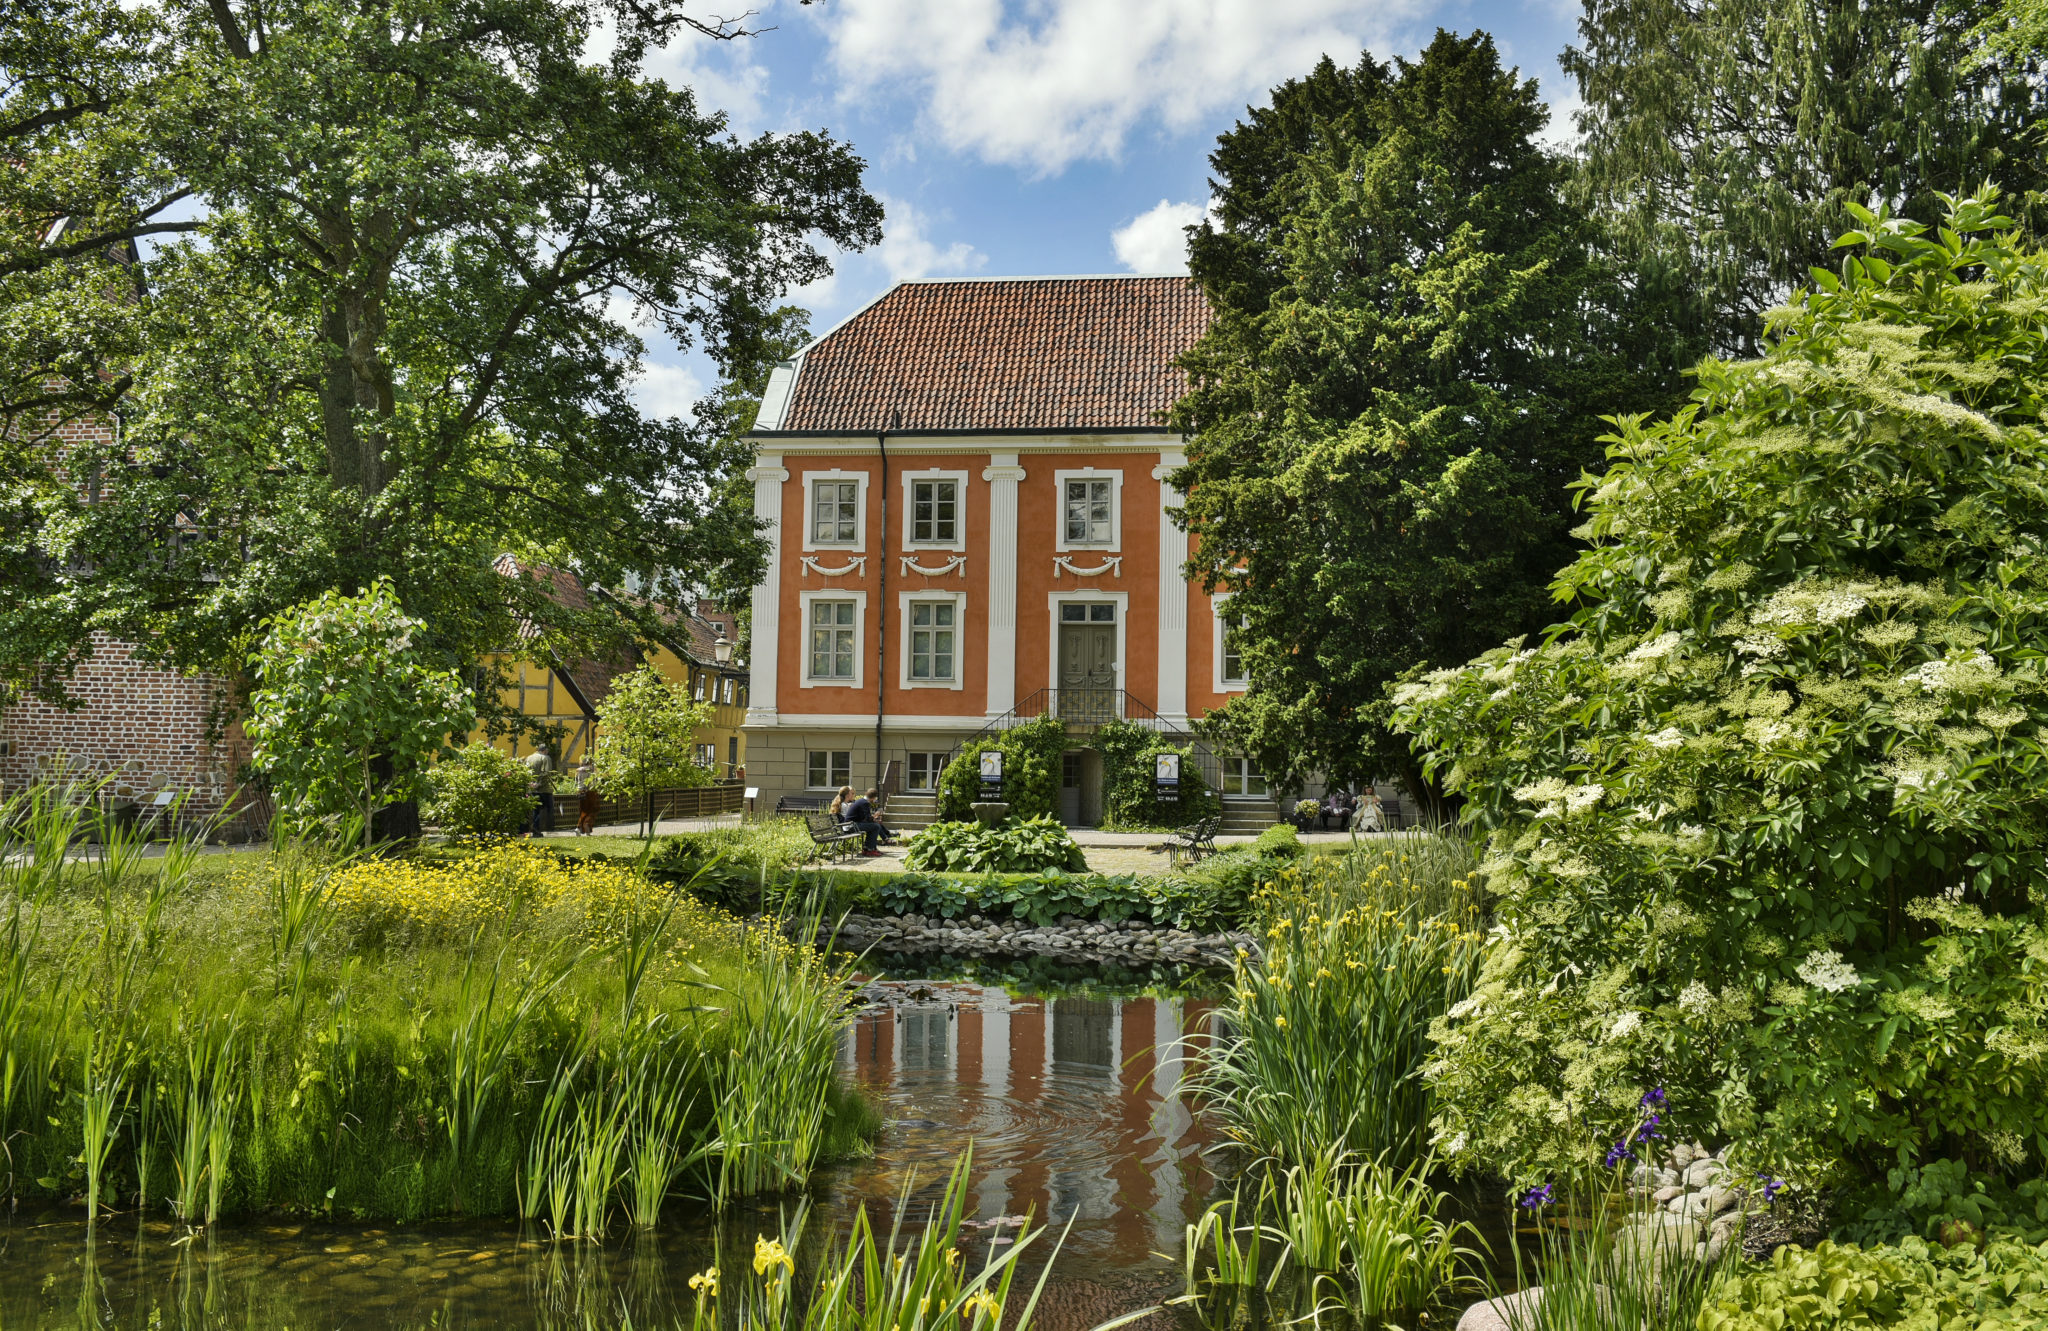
(1010, 137)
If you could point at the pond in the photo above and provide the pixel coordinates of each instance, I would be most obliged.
(1071, 1087)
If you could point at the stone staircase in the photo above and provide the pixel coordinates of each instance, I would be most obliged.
(1248, 817)
(911, 811)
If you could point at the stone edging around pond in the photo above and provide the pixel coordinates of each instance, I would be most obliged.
(1071, 939)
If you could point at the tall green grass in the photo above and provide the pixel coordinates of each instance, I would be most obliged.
(211, 1035)
(1331, 1025)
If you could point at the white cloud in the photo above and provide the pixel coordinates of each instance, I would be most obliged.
(667, 390)
(1562, 133)
(723, 75)
(1155, 241)
(906, 252)
(1042, 83)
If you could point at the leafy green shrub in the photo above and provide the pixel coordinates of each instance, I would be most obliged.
(1017, 845)
(1766, 816)
(1038, 899)
(1915, 1284)
(1031, 771)
(481, 790)
(1130, 799)
(1215, 894)
(1279, 841)
(1933, 1201)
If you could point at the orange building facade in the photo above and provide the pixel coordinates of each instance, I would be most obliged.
(965, 485)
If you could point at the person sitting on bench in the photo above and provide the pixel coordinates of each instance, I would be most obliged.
(860, 813)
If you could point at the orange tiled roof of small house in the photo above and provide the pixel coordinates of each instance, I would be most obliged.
(1026, 354)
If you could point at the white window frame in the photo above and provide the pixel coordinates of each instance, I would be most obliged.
(1221, 616)
(859, 544)
(860, 638)
(903, 679)
(936, 758)
(958, 545)
(828, 752)
(1055, 600)
(1116, 509)
(1227, 760)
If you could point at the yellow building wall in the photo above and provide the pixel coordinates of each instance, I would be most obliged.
(537, 691)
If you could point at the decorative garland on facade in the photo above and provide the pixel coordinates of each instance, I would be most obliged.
(910, 565)
(857, 562)
(1112, 564)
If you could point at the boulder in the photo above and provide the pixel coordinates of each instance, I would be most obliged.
(1503, 1313)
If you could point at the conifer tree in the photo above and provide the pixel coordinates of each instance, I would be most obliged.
(1723, 139)
(1414, 339)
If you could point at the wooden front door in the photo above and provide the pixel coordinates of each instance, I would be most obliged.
(1088, 664)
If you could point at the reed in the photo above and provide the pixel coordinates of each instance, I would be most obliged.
(1361, 953)
(305, 1029)
(1600, 1275)
(898, 1281)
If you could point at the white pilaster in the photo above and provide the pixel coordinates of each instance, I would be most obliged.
(1173, 599)
(767, 475)
(1002, 475)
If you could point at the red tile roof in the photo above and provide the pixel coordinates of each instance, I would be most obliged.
(1030, 353)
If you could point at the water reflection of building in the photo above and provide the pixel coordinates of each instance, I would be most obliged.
(1077, 1106)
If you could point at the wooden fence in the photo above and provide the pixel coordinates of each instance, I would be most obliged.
(694, 802)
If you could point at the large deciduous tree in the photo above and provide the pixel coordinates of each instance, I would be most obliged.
(1413, 341)
(402, 334)
(1724, 138)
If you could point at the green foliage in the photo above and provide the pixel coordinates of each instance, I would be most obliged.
(1915, 1286)
(1016, 845)
(1031, 771)
(1413, 343)
(1281, 841)
(1725, 143)
(480, 790)
(646, 737)
(1038, 898)
(1369, 1236)
(346, 710)
(1334, 1019)
(217, 1032)
(384, 344)
(1215, 894)
(1130, 798)
(1934, 1200)
(1767, 818)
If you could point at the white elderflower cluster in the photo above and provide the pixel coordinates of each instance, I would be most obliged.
(1645, 656)
(1625, 1025)
(1695, 999)
(1670, 737)
(1954, 674)
(1581, 798)
(1825, 970)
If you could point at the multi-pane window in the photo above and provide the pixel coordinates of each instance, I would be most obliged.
(1233, 664)
(835, 512)
(1091, 509)
(1091, 612)
(1241, 778)
(934, 512)
(707, 755)
(832, 639)
(732, 754)
(828, 769)
(931, 639)
(726, 692)
(923, 770)
(698, 686)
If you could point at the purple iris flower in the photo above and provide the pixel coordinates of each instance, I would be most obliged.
(1772, 1186)
(1648, 1131)
(1653, 1098)
(1536, 1197)
(1618, 1153)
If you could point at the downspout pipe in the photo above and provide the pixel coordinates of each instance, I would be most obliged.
(882, 604)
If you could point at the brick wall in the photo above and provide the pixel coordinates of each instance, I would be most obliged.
(144, 727)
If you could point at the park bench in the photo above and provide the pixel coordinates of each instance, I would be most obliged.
(1196, 840)
(830, 837)
(799, 804)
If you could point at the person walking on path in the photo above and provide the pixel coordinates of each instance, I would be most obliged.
(861, 814)
(540, 783)
(587, 799)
